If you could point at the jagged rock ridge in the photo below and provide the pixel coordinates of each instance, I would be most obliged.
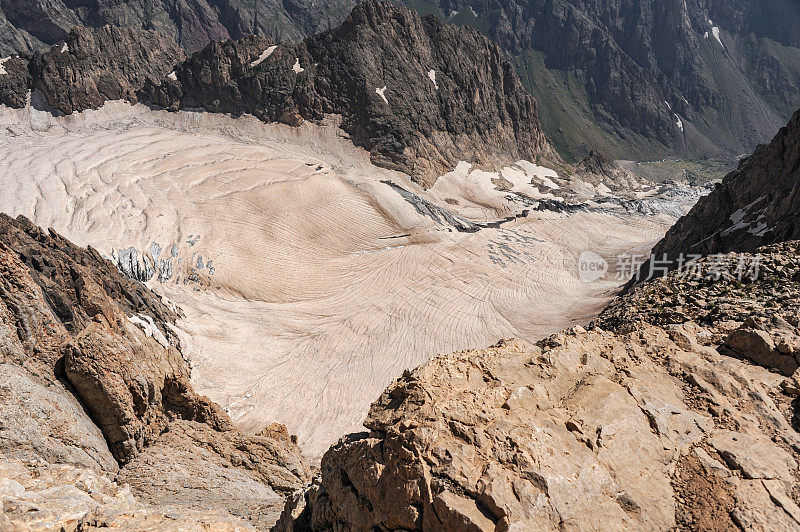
(93, 66)
(420, 95)
(33, 25)
(637, 81)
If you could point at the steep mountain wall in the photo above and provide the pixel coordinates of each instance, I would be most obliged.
(636, 80)
(647, 79)
(33, 25)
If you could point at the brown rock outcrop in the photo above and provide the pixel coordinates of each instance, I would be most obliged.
(37, 495)
(77, 337)
(641, 425)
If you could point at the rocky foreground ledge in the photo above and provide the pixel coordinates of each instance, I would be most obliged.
(677, 408)
(99, 426)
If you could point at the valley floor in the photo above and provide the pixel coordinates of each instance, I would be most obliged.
(309, 279)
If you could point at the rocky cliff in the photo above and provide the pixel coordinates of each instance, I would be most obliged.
(93, 66)
(93, 390)
(754, 205)
(665, 414)
(418, 94)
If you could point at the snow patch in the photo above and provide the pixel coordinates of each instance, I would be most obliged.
(542, 173)
(738, 216)
(474, 14)
(382, 93)
(148, 326)
(173, 76)
(668, 105)
(266, 53)
(65, 48)
(679, 122)
(296, 67)
(760, 229)
(715, 31)
(484, 195)
(432, 77)
(603, 190)
(3, 69)
(739, 223)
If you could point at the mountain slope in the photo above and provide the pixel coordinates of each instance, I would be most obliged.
(642, 80)
(94, 387)
(755, 205)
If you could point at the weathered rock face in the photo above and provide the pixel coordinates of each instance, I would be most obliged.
(38, 495)
(91, 377)
(641, 424)
(96, 65)
(27, 26)
(418, 94)
(755, 205)
(15, 80)
(192, 467)
(45, 422)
